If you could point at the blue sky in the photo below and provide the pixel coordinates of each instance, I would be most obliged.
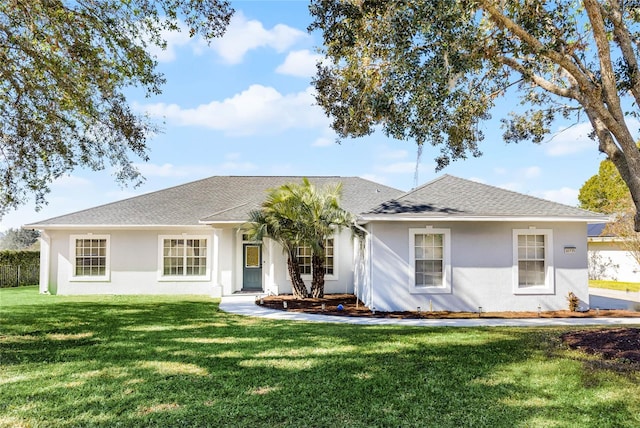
(244, 106)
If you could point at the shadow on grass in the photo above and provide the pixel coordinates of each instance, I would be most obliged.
(181, 362)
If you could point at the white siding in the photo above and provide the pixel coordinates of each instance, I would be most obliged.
(607, 261)
(482, 268)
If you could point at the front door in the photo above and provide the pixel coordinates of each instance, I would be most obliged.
(251, 267)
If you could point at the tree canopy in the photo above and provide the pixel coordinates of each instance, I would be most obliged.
(64, 69)
(19, 239)
(432, 70)
(604, 192)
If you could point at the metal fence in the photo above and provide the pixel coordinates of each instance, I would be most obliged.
(15, 276)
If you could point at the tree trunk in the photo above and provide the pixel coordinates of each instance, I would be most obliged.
(317, 283)
(297, 284)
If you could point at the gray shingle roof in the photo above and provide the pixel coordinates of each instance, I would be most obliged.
(449, 196)
(214, 199)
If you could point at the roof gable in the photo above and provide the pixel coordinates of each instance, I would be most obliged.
(452, 197)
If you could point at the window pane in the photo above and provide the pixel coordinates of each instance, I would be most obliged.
(437, 240)
(90, 257)
(184, 257)
(429, 263)
(531, 260)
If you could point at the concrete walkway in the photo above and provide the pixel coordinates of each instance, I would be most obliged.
(245, 305)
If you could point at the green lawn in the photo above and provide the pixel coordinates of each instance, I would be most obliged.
(615, 285)
(178, 361)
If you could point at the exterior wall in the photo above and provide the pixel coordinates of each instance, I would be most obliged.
(607, 261)
(482, 273)
(343, 282)
(134, 265)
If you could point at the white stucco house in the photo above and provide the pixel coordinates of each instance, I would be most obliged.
(608, 260)
(451, 244)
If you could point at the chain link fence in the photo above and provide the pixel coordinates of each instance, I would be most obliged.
(16, 276)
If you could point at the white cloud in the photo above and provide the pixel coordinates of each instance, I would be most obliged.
(299, 63)
(74, 182)
(500, 170)
(258, 109)
(323, 142)
(571, 140)
(530, 172)
(564, 195)
(243, 35)
(398, 168)
(388, 154)
(165, 170)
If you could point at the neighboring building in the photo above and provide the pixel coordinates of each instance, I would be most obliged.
(451, 244)
(607, 259)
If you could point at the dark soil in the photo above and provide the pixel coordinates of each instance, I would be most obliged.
(621, 344)
(351, 307)
(611, 344)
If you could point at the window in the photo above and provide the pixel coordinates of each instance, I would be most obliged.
(184, 257)
(533, 270)
(90, 257)
(304, 253)
(430, 267)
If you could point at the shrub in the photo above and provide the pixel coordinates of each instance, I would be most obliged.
(573, 301)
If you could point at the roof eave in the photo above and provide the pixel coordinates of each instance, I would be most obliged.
(460, 218)
(44, 226)
(223, 222)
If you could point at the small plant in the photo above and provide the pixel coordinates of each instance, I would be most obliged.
(573, 301)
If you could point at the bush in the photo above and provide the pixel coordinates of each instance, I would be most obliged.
(573, 301)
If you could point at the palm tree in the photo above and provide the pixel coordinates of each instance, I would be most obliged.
(322, 217)
(274, 220)
(296, 215)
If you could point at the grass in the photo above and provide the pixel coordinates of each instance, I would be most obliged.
(615, 285)
(138, 361)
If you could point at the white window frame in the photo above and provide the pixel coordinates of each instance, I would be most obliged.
(184, 277)
(549, 276)
(445, 288)
(327, 277)
(90, 278)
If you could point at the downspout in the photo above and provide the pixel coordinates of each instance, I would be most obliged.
(367, 248)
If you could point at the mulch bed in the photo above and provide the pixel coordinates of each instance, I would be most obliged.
(619, 344)
(351, 307)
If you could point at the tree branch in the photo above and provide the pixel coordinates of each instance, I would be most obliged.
(624, 41)
(539, 80)
(607, 74)
(565, 61)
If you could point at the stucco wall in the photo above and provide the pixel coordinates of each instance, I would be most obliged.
(134, 264)
(607, 261)
(482, 268)
(133, 258)
(342, 282)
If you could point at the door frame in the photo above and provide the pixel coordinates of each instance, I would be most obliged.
(244, 245)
